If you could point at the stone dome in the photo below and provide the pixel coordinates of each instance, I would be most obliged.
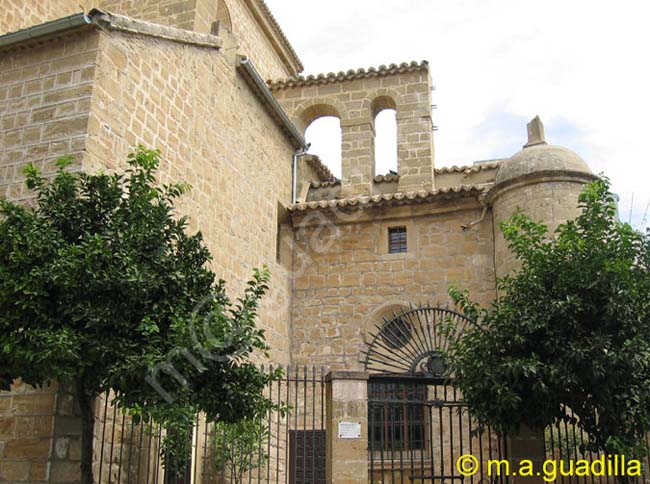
(538, 157)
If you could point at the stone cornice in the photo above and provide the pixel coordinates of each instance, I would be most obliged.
(129, 25)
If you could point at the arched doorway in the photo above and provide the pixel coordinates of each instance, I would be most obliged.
(418, 425)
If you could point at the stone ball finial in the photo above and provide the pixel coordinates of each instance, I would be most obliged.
(538, 158)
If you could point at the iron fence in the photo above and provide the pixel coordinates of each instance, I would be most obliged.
(566, 442)
(285, 447)
(418, 428)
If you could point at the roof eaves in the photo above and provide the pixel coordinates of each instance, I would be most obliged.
(349, 75)
(400, 198)
(261, 90)
(51, 28)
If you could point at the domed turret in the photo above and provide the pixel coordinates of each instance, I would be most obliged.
(542, 181)
(538, 158)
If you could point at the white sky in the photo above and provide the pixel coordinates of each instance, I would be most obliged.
(583, 66)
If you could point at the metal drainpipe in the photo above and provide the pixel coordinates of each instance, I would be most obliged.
(297, 154)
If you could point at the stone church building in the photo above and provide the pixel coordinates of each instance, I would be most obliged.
(215, 85)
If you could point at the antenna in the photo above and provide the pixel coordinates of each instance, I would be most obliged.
(629, 219)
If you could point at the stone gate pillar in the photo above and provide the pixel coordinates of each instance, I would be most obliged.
(347, 427)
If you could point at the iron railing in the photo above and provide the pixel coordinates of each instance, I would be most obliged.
(418, 428)
(289, 448)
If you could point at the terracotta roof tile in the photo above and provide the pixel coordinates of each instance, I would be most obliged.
(488, 165)
(349, 75)
(389, 177)
(400, 198)
(325, 183)
(324, 173)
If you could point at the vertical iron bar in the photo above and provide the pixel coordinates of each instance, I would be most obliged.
(287, 444)
(101, 452)
(223, 464)
(372, 437)
(469, 437)
(304, 427)
(431, 449)
(269, 424)
(150, 426)
(322, 413)
(566, 435)
(139, 451)
(128, 465)
(382, 435)
(313, 425)
(110, 459)
(277, 433)
(295, 425)
(205, 463)
(159, 446)
(392, 437)
(195, 448)
(119, 469)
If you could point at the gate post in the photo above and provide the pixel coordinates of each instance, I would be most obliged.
(347, 427)
(527, 444)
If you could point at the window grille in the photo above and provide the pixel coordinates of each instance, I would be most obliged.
(397, 240)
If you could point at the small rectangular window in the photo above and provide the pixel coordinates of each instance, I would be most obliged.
(397, 240)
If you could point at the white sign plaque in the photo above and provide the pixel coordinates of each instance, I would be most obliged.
(349, 430)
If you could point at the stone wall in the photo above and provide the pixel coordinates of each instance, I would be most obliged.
(45, 102)
(173, 13)
(346, 279)
(20, 14)
(551, 202)
(96, 95)
(26, 424)
(255, 34)
(213, 133)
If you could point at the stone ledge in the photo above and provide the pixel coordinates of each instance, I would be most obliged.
(121, 23)
(346, 375)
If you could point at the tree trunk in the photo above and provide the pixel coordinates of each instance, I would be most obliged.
(87, 406)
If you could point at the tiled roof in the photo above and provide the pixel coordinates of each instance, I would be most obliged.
(389, 177)
(488, 165)
(349, 75)
(325, 183)
(324, 173)
(400, 198)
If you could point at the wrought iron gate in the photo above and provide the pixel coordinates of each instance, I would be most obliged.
(418, 428)
(418, 424)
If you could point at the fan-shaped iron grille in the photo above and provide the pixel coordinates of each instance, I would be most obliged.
(415, 342)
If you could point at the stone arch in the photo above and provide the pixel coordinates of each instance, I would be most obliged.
(385, 157)
(387, 310)
(224, 20)
(308, 112)
(379, 99)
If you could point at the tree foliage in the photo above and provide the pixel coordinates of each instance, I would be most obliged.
(571, 327)
(102, 286)
(239, 447)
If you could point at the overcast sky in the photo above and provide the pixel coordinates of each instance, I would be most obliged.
(583, 66)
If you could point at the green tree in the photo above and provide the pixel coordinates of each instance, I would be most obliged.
(571, 327)
(102, 287)
(239, 447)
